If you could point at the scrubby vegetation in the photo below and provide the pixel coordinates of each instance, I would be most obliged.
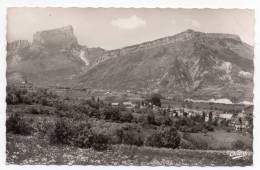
(95, 124)
(165, 137)
(17, 125)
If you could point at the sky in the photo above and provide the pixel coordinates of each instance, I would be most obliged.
(112, 28)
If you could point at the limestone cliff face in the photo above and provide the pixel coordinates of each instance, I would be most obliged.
(61, 38)
(18, 45)
(166, 41)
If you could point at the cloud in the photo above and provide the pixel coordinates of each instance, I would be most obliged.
(129, 23)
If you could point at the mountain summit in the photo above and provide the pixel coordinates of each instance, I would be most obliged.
(61, 38)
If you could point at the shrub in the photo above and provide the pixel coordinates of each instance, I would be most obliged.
(44, 128)
(27, 98)
(153, 140)
(130, 134)
(110, 113)
(13, 95)
(12, 99)
(126, 117)
(17, 125)
(99, 141)
(39, 110)
(74, 133)
(151, 119)
(82, 138)
(163, 120)
(61, 133)
(209, 127)
(165, 137)
(240, 145)
(197, 128)
(43, 101)
(35, 111)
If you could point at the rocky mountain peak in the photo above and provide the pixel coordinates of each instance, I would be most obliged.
(17, 45)
(60, 38)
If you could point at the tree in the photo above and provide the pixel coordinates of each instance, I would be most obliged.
(151, 119)
(203, 116)
(210, 116)
(93, 99)
(240, 122)
(156, 99)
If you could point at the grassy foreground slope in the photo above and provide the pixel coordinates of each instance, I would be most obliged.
(25, 150)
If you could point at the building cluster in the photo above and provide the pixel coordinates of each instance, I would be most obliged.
(238, 122)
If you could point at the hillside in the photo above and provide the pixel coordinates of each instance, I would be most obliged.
(189, 64)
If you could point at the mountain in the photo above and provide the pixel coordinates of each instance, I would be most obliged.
(53, 57)
(190, 64)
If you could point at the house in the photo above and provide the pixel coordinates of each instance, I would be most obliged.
(115, 104)
(129, 105)
(225, 116)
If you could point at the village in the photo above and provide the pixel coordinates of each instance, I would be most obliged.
(239, 117)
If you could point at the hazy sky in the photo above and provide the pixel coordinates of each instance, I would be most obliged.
(114, 28)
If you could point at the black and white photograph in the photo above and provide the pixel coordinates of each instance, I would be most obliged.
(129, 86)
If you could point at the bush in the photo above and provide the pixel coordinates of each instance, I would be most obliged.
(165, 137)
(153, 140)
(130, 134)
(27, 98)
(12, 99)
(44, 128)
(110, 113)
(35, 111)
(240, 145)
(151, 119)
(163, 120)
(17, 125)
(209, 127)
(126, 117)
(13, 95)
(99, 141)
(80, 134)
(82, 138)
(61, 134)
(39, 110)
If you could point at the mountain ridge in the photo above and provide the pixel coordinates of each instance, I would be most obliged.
(188, 64)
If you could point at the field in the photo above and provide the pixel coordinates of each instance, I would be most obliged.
(29, 150)
(132, 138)
(220, 140)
